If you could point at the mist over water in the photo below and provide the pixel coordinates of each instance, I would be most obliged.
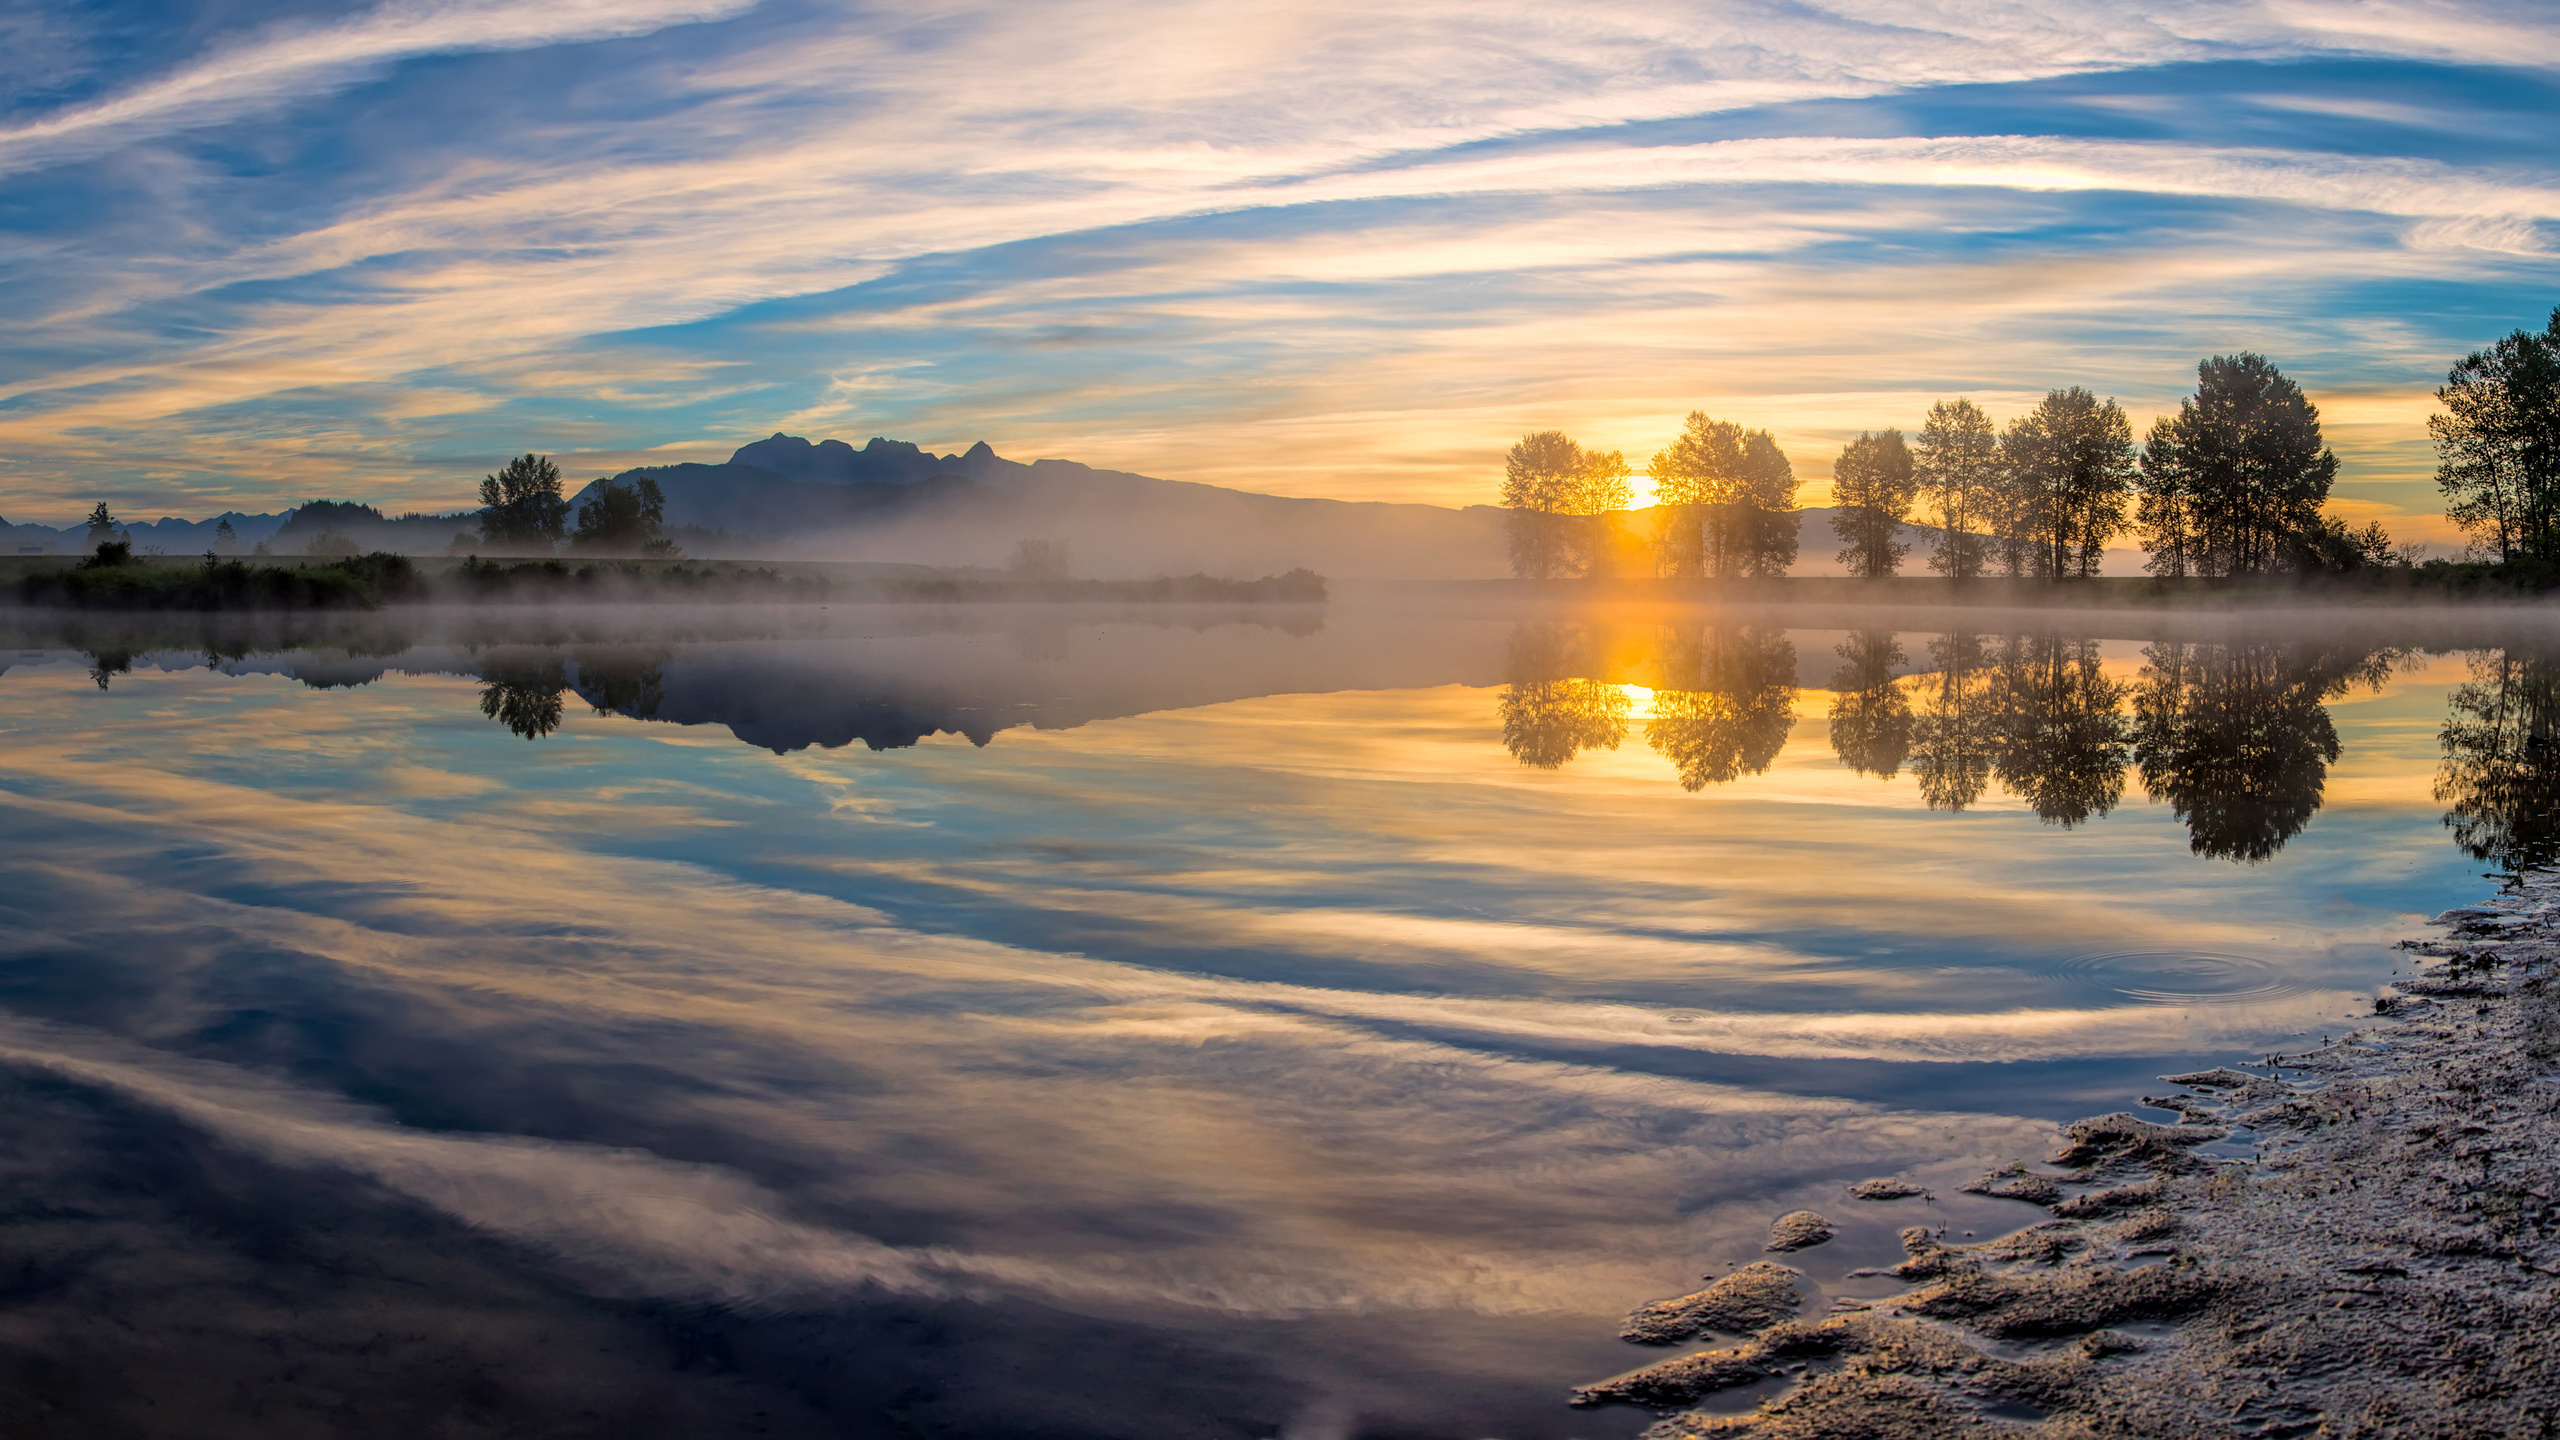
(1219, 1021)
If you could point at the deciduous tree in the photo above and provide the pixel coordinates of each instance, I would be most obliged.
(1957, 468)
(2498, 445)
(1872, 487)
(2233, 483)
(521, 506)
(2070, 467)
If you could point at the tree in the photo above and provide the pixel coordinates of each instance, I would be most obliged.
(624, 519)
(1956, 465)
(1765, 522)
(1539, 477)
(1871, 721)
(2070, 465)
(521, 504)
(1564, 504)
(1729, 498)
(1873, 487)
(2498, 444)
(2233, 483)
(103, 525)
(1696, 470)
(223, 534)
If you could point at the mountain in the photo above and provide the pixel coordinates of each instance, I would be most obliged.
(890, 500)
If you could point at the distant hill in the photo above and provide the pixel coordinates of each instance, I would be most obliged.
(891, 500)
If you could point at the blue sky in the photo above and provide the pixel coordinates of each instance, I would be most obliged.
(256, 252)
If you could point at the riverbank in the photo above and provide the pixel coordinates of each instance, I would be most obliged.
(370, 582)
(2436, 583)
(2386, 1262)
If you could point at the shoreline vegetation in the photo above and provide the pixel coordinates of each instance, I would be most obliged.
(2234, 485)
(2379, 1265)
(114, 579)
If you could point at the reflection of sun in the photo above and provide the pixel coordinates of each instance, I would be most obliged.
(1639, 701)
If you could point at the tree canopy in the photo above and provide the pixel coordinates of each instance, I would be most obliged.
(1872, 486)
(521, 505)
(2070, 466)
(2498, 445)
(1956, 465)
(624, 519)
(2233, 483)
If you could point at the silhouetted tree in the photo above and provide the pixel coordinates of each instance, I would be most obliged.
(1956, 731)
(521, 504)
(1553, 709)
(2498, 444)
(2061, 737)
(624, 519)
(223, 534)
(2068, 466)
(2500, 776)
(1873, 488)
(2233, 483)
(2237, 739)
(1956, 465)
(103, 526)
(1726, 704)
(1871, 720)
(1561, 500)
(1728, 498)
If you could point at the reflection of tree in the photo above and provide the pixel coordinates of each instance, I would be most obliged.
(1726, 703)
(106, 664)
(1871, 723)
(524, 696)
(2236, 737)
(2060, 739)
(1551, 711)
(1953, 736)
(623, 679)
(2500, 776)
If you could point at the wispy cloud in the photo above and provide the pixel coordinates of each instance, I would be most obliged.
(1156, 237)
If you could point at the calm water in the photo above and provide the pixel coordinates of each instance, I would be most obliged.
(1304, 1023)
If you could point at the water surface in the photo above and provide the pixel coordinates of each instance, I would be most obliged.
(1219, 1023)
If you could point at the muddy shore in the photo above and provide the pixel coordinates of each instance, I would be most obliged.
(2385, 1261)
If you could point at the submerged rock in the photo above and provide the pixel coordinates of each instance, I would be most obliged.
(1798, 1230)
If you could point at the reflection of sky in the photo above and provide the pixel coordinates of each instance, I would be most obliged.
(1313, 1007)
(254, 250)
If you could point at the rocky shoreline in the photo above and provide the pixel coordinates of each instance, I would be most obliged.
(2386, 1262)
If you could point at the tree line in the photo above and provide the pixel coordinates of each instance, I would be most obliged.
(2233, 484)
(522, 509)
(2236, 738)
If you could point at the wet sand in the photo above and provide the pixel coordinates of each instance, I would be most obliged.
(2384, 1262)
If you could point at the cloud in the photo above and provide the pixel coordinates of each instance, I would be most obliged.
(1164, 236)
(293, 61)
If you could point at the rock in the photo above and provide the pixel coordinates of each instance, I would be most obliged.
(1798, 1230)
(2016, 1183)
(1886, 1189)
(1750, 1299)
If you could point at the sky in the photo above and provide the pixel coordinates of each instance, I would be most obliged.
(253, 252)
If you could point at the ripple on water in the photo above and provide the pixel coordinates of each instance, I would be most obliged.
(2182, 977)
